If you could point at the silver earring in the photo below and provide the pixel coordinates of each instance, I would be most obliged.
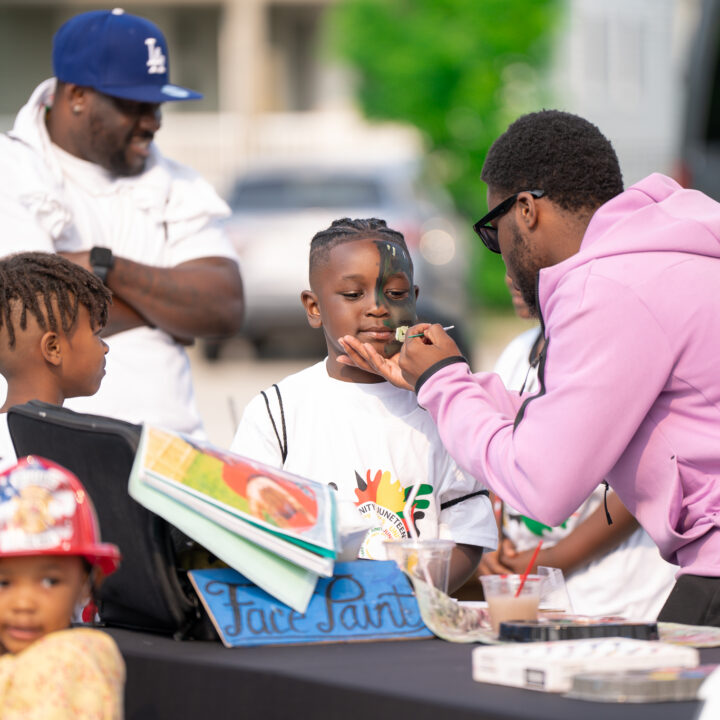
(77, 109)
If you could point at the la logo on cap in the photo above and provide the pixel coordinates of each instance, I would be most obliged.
(156, 59)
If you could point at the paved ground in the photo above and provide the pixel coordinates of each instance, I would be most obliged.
(226, 385)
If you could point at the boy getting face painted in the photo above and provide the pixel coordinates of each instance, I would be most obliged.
(351, 429)
(361, 287)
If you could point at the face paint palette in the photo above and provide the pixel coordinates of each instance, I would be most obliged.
(575, 627)
(660, 685)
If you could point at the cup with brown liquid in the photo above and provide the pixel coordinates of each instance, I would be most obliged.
(504, 602)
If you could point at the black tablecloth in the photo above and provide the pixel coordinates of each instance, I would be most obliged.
(422, 680)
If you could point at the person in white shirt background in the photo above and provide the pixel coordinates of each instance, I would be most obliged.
(81, 175)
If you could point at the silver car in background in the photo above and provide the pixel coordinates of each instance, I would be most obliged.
(277, 210)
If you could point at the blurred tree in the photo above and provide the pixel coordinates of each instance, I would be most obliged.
(460, 71)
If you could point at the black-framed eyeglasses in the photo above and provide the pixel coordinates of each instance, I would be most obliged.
(489, 234)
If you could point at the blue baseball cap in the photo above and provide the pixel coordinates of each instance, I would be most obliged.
(117, 54)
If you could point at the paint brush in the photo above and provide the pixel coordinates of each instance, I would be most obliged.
(528, 569)
(422, 334)
(400, 333)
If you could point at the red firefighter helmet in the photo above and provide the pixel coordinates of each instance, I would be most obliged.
(44, 510)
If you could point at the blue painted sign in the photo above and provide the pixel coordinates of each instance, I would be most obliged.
(364, 600)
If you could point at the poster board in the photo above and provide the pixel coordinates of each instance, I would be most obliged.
(291, 516)
(290, 583)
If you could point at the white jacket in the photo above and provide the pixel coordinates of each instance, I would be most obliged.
(165, 216)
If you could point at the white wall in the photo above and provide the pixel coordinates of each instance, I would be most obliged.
(621, 64)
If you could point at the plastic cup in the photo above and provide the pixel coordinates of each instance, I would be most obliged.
(428, 560)
(503, 606)
(555, 597)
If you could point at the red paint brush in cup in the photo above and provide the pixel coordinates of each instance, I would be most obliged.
(527, 570)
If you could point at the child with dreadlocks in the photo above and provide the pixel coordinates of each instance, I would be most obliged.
(351, 429)
(51, 314)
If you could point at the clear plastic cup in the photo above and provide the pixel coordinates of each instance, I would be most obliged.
(555, 596)
(503, 606)
(428, 560)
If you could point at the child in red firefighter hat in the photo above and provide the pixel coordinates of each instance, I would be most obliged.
(50, 558)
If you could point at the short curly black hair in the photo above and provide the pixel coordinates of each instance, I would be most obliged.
(346, 230)
(51, 288)
(558, 152)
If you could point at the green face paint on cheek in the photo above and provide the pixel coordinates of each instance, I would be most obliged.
(394, 261)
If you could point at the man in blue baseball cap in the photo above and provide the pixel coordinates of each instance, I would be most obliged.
(107, 62)
(117, 54)
(81, 175)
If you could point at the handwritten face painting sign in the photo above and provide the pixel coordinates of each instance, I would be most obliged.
(364, 600)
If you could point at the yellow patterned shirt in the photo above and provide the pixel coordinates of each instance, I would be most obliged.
(75, 674)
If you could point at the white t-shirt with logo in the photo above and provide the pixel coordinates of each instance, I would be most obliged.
(163, 217)
(632, 579)
(373, 443)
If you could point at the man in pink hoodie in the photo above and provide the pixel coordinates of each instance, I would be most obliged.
(627, 286)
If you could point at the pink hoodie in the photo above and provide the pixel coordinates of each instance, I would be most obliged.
(630, 385)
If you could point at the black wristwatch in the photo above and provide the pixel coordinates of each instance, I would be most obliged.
(102, 262)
